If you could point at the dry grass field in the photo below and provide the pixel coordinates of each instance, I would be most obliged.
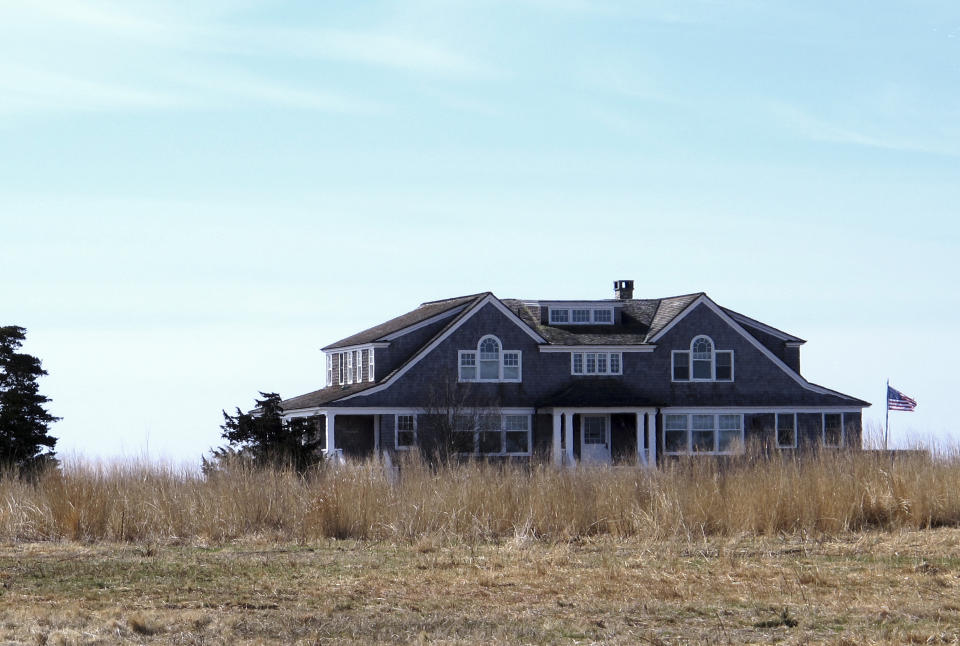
(839, 549)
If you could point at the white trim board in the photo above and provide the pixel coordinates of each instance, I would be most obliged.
(716, 309)
(763, 327)
(440, 338)
(597, 348)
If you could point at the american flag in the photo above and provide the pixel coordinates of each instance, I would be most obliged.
(896, 400)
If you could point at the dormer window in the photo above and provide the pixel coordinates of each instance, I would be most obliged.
(489, 362)
(581, 315)
(702, 362)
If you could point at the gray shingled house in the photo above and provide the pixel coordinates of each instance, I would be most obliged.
(620, 380)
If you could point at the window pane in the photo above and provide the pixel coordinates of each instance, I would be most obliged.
(675, 441)
(615, 363)
(728, 441)
(491, 442)
(602, 316)
(511, 359)
(701, 369)
(488, 422)
(518, 442)
(675, 422)
(591, 363)
(511, 373)
(404, 438)
(463, 442)
(724, 366)
(581, 316)
(578, 364)
(729, 422)
(786, 431)
(594, 430)
(468, 359)
(702, 422)
(702, 441)
(468, 374)
(489, 369)
(702, 349)
(464, 422)
(681, 366)
(489, 350)
(559, 316)
(601, 363)
(516, 422)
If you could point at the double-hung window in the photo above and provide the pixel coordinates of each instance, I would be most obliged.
(702, 362)
(406, 431)
(786, 430)
(596, 363)
(489, 362)
(329, 362)
(357, 366)
(833, 430)
(704, 433)
(341, 368)
(370, 372)
(349, 367)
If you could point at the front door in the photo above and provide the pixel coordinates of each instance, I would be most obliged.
(595, 439)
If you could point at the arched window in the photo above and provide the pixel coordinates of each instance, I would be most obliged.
(489, 349)
(702, 357)
(489, 362)
(702, 362)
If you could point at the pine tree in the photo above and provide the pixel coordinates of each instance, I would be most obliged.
(24, 422)
(267, 439)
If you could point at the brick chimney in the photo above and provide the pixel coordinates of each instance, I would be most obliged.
(623, 289)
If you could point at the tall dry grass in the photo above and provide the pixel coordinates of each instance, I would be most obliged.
(830, 492)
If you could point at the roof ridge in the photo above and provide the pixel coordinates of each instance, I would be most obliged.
(454, 298)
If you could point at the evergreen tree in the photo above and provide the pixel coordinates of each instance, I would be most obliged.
(24, 422)
(265, 438)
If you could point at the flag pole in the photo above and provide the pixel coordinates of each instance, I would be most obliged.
(886, 430)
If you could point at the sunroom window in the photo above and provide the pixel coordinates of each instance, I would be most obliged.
(703, 433)
(492, 434)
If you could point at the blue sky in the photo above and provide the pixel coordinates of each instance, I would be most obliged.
(195, 197)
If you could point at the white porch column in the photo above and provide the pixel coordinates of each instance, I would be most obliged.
(568, 433)
(641, 452)
(557, 450)
(331, 433)
(652, 440)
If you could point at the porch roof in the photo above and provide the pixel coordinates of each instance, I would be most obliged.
(596, 392)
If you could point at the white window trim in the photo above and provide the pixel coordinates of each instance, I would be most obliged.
(503, 436)
(569, 310)
(500, 378)
(371, 365)
(689, 430)
(357, 366)
(341, 368)
(329, 366)
(349, 366)
(583, 363)
(396, 432)
(776, 430)
(823, 431)
(713, 363)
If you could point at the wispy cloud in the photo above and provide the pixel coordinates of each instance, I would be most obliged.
(64, 56)
(810, 126)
